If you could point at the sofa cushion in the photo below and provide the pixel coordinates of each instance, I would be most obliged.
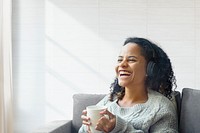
(80, 103)
(190, 109)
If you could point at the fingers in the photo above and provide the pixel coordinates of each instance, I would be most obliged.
(84, 112)
(107, 113)
(104, 124)
(88, 129)
(85, 119)
(84, 115)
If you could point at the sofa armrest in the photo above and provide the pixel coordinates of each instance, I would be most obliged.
(61, 126)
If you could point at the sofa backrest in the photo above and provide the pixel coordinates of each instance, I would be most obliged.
(80, 101)
(177, 95)
(190, 111)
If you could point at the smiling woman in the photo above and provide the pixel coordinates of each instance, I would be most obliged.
(152, 63)
(141, 97)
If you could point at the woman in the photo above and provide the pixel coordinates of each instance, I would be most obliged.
(141, 96)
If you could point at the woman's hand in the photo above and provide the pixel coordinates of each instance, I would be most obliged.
(86, 120)
(106, 124)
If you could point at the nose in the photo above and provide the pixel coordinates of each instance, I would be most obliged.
(123, 63)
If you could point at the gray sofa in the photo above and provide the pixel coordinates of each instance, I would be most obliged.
(188, 107)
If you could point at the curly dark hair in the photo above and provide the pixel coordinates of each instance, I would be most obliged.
(161, 77)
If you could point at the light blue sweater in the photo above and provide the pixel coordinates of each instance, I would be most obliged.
(157, 115)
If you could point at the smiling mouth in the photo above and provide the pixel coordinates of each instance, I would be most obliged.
(124, 73)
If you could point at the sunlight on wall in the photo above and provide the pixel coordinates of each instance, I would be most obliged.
(74, 58)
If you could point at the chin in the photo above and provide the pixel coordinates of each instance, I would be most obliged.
(122, 84)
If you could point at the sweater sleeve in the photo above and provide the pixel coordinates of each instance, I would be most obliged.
(166, 120)
(166, 124)
(104, 101)
(123, 126)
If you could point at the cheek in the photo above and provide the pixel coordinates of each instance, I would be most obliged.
(116, 70)
(141, 71)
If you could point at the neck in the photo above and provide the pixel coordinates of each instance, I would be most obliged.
(134, 95)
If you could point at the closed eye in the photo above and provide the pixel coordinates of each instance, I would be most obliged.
(131, 60)
(119, 60)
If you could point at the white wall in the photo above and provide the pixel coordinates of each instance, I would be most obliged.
(62, 47)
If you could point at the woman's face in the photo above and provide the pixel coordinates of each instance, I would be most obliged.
(131, 67)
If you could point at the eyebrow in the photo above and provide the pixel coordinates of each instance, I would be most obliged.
(128, 57)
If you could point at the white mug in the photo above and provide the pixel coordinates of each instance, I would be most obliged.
(93, 112)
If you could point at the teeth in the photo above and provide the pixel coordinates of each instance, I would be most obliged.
(124, 73)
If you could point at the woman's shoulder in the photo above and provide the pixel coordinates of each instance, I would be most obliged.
(162, 105)
(105, 100)
(160, 100)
